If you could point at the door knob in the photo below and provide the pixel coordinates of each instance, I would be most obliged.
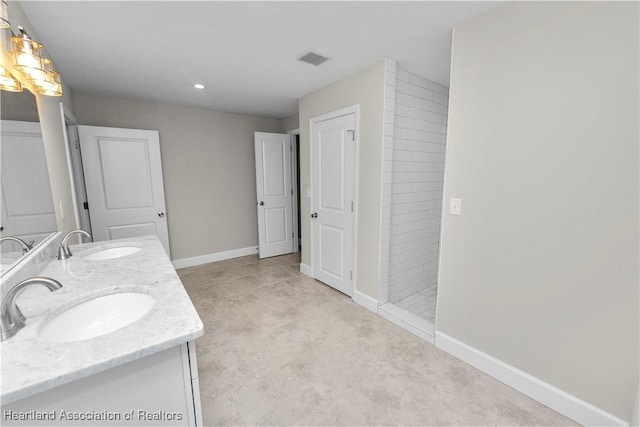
(261, 203)
(161, 214)
(314, 215)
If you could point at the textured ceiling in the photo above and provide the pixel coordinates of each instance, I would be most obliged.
(244, 52)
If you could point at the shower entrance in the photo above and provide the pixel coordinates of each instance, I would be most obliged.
(412, 199)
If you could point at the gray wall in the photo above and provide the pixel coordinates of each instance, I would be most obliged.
(541, 269)
(20, 106)
(208, 166)
(290, 123)
(366, 89)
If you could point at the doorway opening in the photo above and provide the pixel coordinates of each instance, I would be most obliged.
(76, 170)
(414, 162)
(295, 177)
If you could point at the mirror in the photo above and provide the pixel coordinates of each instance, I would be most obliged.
(26, 207)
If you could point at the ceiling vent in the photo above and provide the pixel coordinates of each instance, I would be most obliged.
(313, 58)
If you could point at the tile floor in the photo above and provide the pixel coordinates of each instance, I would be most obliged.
(422, 303)
(283, 349)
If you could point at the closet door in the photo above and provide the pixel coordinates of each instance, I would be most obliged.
(332, 201)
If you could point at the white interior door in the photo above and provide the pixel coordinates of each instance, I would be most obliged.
(123, 178)
(332, 197)
(275, 194)
(27, 205)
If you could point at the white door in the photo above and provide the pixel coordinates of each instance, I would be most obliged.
(332, 197)
(27, 206)
(275, 194)
(123, 178)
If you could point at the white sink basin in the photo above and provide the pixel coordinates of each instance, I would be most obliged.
(111, 253)
(97, 316)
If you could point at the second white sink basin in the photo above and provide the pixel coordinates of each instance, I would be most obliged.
(97, 316)
(111, 253)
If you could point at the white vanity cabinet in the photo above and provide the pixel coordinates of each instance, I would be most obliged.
(157, 390)
(142, 373)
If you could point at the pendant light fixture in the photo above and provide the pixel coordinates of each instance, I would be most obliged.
(4, 15)
(50, 84)
(29, 65)
(27, 55)
(8, 82)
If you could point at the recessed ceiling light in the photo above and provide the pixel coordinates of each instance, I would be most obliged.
(198, 86)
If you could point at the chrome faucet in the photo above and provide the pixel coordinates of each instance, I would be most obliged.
(63, 251)
(26, 247)
(12, 318)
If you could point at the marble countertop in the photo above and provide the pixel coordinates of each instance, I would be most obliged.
(31, 364)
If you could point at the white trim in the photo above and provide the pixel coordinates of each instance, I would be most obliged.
(366, 301)
(65, 116)
(295, 176)
(408, 321)
(188, 383)
(386, 162)
(553, 397)
(337, 113)
(79, 192)
(306, 270)
(445, 191)
(356, 198)
(217, 256)
(295, 203)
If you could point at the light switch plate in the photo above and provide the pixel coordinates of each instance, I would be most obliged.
(455, 207)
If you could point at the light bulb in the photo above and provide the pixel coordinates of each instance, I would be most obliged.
(27, 60)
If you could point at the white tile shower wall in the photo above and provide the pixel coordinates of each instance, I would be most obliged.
(416, 174)
(387, 165)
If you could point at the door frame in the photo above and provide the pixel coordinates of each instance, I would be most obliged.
(76, 174)
(295, 173)
(355, 110)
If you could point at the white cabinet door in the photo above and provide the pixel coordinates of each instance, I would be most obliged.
(27, 206)
(275, 195)
(157, 390)
(123, 177)
(332, 190)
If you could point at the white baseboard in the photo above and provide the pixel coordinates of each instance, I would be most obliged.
(218, 256)
(306, 270)
(366, 301)
(556, 399)
(407, 321)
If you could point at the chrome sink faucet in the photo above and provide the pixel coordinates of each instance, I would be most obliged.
(63, 251)
(12, 318)
(26, 247)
